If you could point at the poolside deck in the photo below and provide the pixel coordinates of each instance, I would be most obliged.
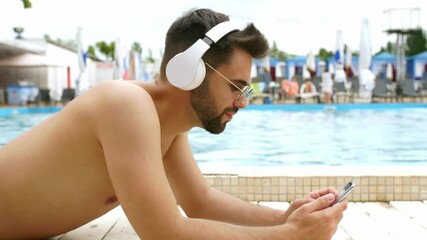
(398, 220)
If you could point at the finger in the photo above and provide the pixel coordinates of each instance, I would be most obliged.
(299, 202)
(342, 205)
(322, 192)
(339, 218)
(320, 203)
(338, 209)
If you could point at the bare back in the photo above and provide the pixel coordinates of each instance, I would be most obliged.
(59, 180)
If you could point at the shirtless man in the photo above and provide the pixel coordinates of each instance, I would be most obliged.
(126, 143)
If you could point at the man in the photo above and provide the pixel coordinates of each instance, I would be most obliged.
(126, 143)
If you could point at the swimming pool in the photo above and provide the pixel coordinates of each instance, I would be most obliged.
(14, 121)
(334, 135)
(299, 135)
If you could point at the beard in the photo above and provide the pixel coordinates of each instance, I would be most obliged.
(204, 105)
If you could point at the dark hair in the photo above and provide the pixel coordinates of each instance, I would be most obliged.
(194, 24)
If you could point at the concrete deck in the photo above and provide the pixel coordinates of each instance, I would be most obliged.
(398, 220)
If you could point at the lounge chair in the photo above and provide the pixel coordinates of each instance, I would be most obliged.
(424, 88)
(2, 96)
(303, 96)
(354, 90)
(68, 94)
(44, 96)
(340, 90)
(408, 90)
(381, 90)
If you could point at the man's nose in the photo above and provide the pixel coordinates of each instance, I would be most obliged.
(241, 102)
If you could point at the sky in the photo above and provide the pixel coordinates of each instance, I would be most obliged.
(297, 27)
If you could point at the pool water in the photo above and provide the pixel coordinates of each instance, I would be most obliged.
(320, 138)
(269, 138)
(15, 124)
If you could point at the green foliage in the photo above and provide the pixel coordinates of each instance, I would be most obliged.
(136, 46)
(150, 57)
(91, 51)
(27, 3)
(416, 43)
(106, 49)
(324, 54)
(275, 52)
(390, 48)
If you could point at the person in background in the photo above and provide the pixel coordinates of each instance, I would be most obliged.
(290, 88)
(125, 143)
(327, 86)
(308, 90)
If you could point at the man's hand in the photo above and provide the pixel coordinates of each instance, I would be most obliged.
(295, 205)
(313, 219)
(308, 198)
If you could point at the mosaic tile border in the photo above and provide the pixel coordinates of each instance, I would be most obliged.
(288, 188)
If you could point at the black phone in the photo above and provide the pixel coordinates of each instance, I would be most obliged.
(344, 192)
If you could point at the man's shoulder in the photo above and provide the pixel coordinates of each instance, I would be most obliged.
(114, 97)
(116, 104)
(120, 92)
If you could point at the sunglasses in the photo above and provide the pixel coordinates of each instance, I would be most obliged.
(245, 92)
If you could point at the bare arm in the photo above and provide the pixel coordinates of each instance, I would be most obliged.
(129, 132)
(199, 200)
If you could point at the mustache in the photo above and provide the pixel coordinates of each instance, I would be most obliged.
(230, 109)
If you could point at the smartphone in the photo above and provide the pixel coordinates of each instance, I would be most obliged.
(344, 192)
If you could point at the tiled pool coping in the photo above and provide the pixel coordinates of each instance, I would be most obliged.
(399, 183)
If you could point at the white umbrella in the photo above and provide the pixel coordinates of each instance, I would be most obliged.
(339, 50)
(389, 71)
(266, 62)
(348, 57)
(331, 68)
(254, 71)
(280, 67)
(311, 62)
(305, 73)
(419, 69)
(119, 67)
(291, 71)
(339, 59)
(80, 52)
(82, 80)
(366, 77)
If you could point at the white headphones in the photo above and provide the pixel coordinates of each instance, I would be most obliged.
(186, 70)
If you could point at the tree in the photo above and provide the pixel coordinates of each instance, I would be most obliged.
(91, 51)
(150, 57)
(27, 3)
(416, 43)
(275, 52)
(106, 49)
(136, 46)
(390, 48)
(324, 54)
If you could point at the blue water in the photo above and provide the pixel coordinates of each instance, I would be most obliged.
(321, 138)
(270, 136)
(15, 124)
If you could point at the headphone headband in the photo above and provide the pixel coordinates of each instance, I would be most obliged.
(220, 30)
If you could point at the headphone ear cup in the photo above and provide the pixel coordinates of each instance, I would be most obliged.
(186, 70)
(200, 74)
